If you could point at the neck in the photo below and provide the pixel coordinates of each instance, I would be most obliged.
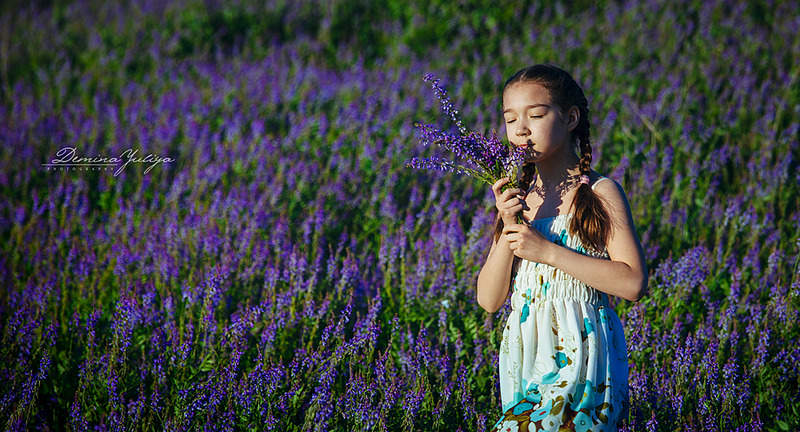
(555, 171)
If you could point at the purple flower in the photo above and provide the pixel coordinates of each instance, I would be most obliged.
(483, 157)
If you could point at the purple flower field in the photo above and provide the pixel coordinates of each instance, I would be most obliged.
(274, 264)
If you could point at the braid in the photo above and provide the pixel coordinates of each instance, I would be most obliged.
(591, 221)
(585, 149)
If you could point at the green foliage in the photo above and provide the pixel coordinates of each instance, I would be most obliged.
(69, 62)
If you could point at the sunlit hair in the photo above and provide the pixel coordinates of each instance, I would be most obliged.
(590, 221)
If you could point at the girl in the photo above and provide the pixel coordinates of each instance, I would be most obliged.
(563, 360)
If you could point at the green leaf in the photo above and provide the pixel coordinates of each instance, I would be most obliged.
(208, 363)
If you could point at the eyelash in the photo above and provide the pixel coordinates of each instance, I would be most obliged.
(512, 121)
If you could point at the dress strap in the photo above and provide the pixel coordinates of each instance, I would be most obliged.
(598, 181)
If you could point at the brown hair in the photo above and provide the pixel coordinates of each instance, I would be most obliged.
(590, 220)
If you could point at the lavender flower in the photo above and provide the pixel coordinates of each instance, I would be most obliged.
(485, 158)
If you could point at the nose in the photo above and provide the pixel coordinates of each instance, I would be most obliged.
(523, 130)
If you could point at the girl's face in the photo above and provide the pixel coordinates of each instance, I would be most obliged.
(535, 123)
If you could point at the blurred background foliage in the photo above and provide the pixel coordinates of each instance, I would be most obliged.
(291, 122)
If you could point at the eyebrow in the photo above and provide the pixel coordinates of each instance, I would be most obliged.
(529, 106)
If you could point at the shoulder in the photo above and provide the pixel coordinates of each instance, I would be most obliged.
(604, 185)
(613, 195)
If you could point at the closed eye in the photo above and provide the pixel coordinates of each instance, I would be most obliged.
(512, 121)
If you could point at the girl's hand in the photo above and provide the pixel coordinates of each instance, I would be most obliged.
(527, 243)
(508, 203)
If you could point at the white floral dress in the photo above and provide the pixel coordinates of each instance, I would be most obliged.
(563, 359)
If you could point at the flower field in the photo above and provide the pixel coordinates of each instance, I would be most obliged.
(275, 265)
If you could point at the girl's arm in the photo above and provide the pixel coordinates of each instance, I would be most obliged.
(625, 275)
(495, 276)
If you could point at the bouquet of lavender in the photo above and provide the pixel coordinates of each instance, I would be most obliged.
(484, 158)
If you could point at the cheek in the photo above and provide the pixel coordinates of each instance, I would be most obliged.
(551, 130)
(543, 132)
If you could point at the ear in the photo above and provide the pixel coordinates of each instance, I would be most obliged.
(573, 117)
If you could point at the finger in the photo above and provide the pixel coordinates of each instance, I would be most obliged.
(512, 243)
(499, 183)
(509, 193)
(511, 205)
(515, 227)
